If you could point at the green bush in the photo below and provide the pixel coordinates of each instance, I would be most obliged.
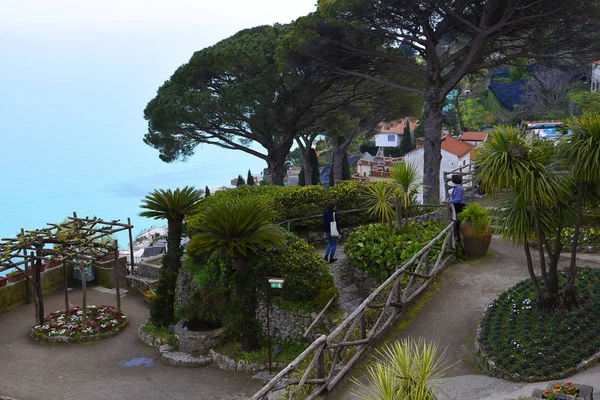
(307, 277)
(308, 284)
(379, 249)
(288, 202)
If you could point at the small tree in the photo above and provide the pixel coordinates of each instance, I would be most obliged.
(239, 227)
(250, 179)
(172, 206)
(240, 181)
(408, 181)
(406, 143)
(538, 202)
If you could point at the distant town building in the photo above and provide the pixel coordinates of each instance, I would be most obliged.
(595, 76)
(372, 168)
(390, 134)
(474, 138)
(455, 154)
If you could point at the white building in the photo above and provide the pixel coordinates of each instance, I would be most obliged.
(595, 76)
(475, 139)
(390, 135)
(455, 154)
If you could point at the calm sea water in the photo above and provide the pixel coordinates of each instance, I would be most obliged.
(102, 177)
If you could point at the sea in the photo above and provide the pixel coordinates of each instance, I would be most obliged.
(101, 175)
(72, 127)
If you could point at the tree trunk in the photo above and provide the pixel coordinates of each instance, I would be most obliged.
(307, 167)
(276, 158)
(305, 144)
(162, 309)
(569, 291)
(339, 150)
(432, 146)
(536, 284)
(247, 293)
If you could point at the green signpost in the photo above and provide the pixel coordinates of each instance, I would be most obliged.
(274, 283)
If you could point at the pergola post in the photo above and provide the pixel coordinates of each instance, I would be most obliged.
(117, 287)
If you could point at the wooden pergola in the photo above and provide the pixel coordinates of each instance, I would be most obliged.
(80, 241)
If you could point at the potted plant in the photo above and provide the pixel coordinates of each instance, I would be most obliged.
(475, 230)
(15, 276)
(149, 295)
(3, 281)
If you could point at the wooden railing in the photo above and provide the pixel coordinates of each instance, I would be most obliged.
(327, 360)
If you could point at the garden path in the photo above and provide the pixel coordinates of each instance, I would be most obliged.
(449, 314)
(106, 369)
(351, 295)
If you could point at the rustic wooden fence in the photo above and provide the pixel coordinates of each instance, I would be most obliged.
(327, 360)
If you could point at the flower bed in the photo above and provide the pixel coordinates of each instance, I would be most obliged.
(67, 326)
(516, 341)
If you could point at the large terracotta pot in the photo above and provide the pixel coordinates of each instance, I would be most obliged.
(475, 246)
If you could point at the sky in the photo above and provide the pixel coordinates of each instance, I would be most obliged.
(75, 77)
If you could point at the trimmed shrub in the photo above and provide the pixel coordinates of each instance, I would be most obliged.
(379, 249)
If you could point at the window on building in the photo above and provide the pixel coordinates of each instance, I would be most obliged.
(391, 138)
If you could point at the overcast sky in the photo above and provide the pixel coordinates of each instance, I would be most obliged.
(75, 77)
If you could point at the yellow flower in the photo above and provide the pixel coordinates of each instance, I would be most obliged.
(556, 390)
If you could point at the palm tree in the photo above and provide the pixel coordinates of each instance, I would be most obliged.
(409, 183)
(239, 227)
(538, 201)
(581, 151)
(172, 206)
(380, 198)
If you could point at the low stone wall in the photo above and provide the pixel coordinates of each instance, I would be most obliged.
(104, 272)
(289, 325)
(15, 294)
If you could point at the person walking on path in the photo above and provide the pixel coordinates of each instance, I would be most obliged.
(328, 217)
(458, 202)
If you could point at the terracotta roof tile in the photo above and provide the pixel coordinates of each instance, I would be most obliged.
(474, 136)
(398, 126)
(455, 146)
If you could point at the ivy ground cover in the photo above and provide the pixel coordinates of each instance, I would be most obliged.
(524, 341)
(67, 325)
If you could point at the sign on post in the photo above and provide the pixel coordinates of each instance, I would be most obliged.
(276, 283)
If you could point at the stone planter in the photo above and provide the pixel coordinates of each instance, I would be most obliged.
(197, 342)
(3, 281)
(585, 392)
(475, 246)
(15, 276)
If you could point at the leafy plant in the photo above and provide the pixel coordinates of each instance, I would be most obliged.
(407, 369)
(380, 198)
(379, 249)
(478, 216)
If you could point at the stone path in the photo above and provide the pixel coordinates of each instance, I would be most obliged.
(449, 315)
(345, 280)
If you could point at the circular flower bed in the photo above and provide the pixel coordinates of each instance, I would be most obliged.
(527, 344)
(67, 326)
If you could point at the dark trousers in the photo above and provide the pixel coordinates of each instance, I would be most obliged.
(458, 207)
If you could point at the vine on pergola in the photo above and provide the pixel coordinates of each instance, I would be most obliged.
(80, 241)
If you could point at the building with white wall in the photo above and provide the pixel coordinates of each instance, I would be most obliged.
(390, 135)
(595, 76)
(455, 154)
